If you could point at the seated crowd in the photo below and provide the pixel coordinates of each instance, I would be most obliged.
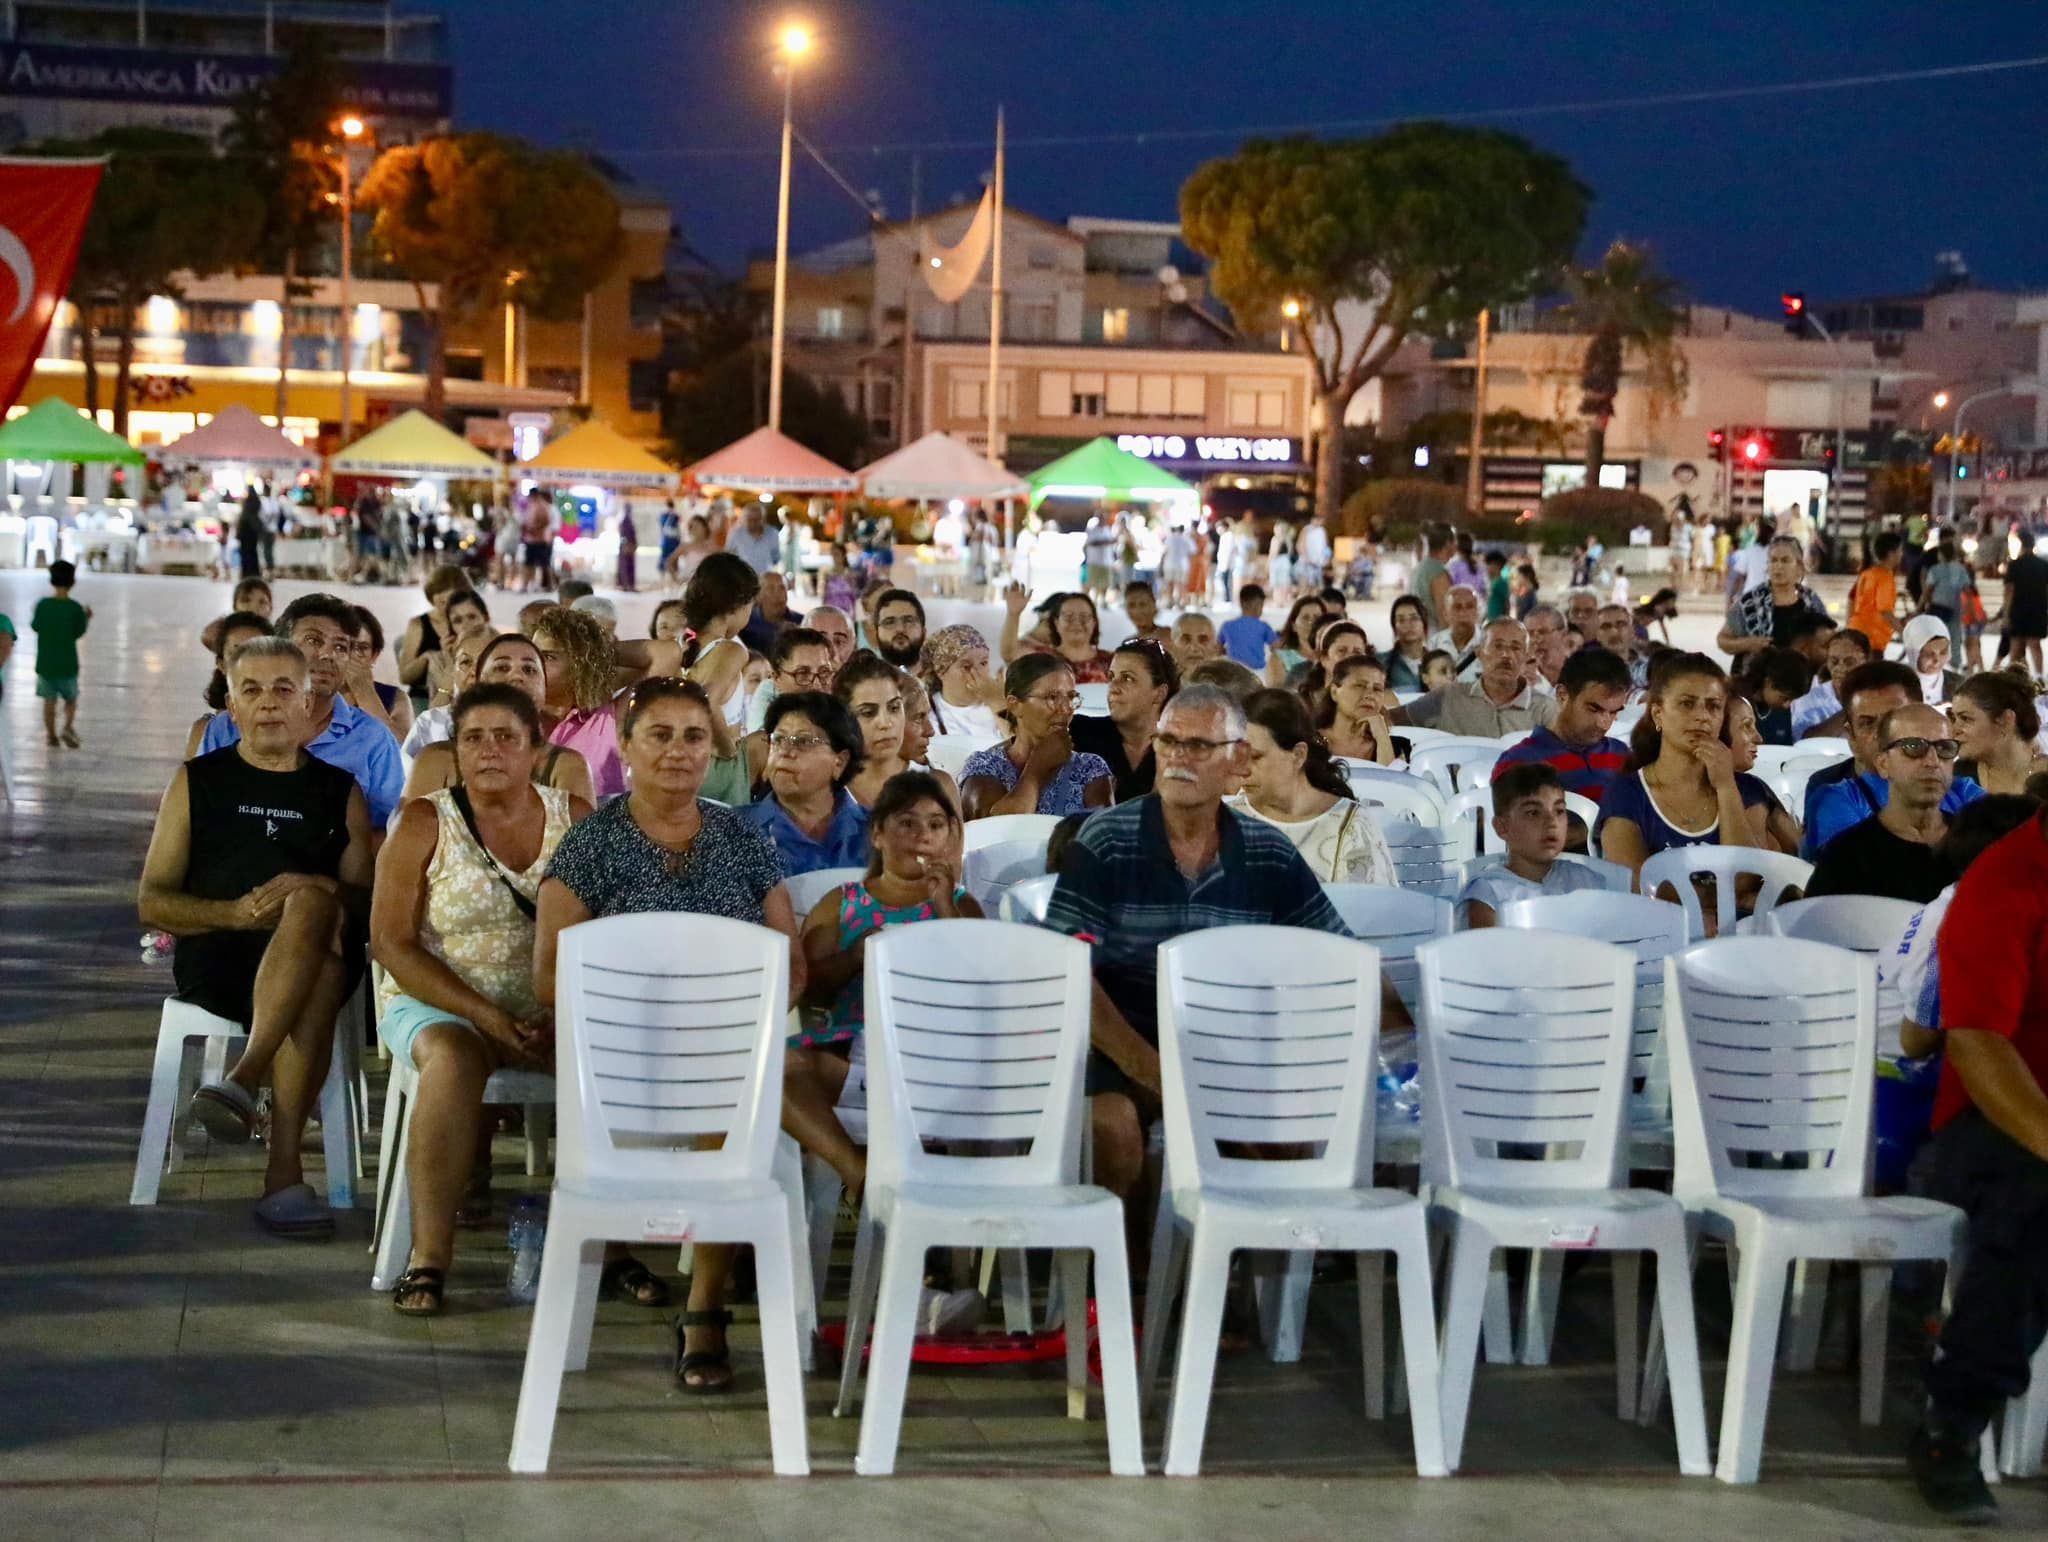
(538, 778)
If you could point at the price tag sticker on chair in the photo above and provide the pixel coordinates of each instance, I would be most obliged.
(665, 1228)
(1562, 1236)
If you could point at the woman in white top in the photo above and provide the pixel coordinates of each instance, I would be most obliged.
(963, 696)
(1292, 785)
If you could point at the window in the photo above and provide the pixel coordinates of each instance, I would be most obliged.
(1189, 394)
(1272, 409)
(645, 381)
(1123, 396)
(1042, 257)
(1244, 407)
(1116, 324)
(831, 321)
(1055, 394)
(567, 379)
(646, 300)
(1089, 394)
(1155, 396)
(967, 398)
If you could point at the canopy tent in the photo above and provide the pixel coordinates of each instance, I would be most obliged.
(597, 454)
(1102, 472)
(235, 436)
(54, 430)
(938, 466)
(413, 445)
(766, 461)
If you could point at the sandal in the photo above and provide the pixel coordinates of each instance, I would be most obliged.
(628, 1279)
(419, 1282)
(712, 1368)
(226, 1111)
(476, 1207)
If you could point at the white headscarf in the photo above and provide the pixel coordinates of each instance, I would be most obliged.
(1919, 632)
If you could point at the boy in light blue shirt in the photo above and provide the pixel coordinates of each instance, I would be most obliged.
(1247, 636)
(1529, 814)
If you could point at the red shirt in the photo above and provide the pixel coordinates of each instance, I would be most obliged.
(1993, 950)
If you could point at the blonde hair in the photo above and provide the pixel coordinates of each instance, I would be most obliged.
(585, 647)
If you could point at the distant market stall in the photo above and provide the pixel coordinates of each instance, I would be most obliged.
(937, 469)
(1101, 474)
(49, 439)
(766, 461)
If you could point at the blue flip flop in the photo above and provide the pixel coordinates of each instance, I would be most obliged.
(226, 1111)
(295, 1211)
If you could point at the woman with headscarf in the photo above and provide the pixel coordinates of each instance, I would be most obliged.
(964, 696)
(1926, 646)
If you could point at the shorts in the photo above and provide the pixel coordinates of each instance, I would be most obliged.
(405, 1019)
(217, 970)
(57, 687)
(537, 554)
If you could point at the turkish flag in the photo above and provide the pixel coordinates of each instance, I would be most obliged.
(43, 208)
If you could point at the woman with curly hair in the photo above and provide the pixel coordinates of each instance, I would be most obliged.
(576, 660)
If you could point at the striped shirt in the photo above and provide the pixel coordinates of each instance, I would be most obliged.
(1121, 891)
(1586, 769)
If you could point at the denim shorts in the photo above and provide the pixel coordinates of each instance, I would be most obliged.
(405, 1019)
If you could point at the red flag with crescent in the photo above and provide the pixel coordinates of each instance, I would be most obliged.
(43, 209)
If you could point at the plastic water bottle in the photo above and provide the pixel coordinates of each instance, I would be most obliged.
(1396, 1091)
(528, 1230)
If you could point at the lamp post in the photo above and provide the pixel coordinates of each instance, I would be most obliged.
(1955, 438)
(794, 44)
(1841, 475)
(351, 130)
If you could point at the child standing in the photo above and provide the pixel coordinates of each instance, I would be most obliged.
(1247, 637)
(59, 622)
(1529, 814)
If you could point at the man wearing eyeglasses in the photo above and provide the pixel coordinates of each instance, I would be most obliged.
(1145, 872)
(1852, 791)
(1893, 853)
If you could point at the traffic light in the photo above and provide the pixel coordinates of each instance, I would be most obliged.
(1717, 442)
(1794, 305)
(1752, 448)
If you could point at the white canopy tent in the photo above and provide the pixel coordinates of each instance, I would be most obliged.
(938, 468)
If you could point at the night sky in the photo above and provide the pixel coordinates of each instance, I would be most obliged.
(1835, 192)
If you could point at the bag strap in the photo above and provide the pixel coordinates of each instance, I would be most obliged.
(459, 796)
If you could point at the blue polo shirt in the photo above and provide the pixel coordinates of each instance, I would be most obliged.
(1588, 769)
(844, 844)
(1840, 805)
(1121, 891)
(1246, 639)
(355, 742)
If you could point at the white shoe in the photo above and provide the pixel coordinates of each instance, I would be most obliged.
(941, 1312)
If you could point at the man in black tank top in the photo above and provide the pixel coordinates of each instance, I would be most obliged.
(260, 857)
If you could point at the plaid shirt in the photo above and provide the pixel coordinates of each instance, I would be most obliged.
(1754, 616)
(1121, 891)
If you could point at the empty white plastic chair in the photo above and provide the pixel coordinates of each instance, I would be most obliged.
(992, 870)
(997, 829)
(1679, 865)
(1396, 921)
(1423, 860)
(1413, 799)
(806, 889)
(1267, 1037)
(1026, 899)
(949, 752)
(1417, 737)
(1863, 923)
(668, 1028)
(1472, 811)
(1455, 763)
(977, 1031)
(1525, 1044)
(1772, 1042)
(1614, 878)
(1094, 698)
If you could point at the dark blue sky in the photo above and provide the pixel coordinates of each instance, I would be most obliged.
(1835, 192)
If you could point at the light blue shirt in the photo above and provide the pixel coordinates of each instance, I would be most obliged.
(354, 742)
(759, 552)
(1839, 806)
(844, 843)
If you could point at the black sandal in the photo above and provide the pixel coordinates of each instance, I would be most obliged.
(476, 1208)
(714, 1366)
(628, 1279)
(430, 1283)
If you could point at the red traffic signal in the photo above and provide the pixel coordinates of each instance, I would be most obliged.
(1716, 439)
(1795, 304)
(1752, 448)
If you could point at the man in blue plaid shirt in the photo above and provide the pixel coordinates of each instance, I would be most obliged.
(1149, 870)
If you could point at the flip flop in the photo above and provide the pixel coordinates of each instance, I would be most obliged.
(226, 1111)
(295, 1211)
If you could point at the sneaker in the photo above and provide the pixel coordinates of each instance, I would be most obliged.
(1947, 1472)
(944, 1312)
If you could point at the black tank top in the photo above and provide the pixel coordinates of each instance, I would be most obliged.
(249, 825)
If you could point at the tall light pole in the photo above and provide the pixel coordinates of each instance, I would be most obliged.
(1955, 438)
(351, 130)
(1475, 476)
(794, 43)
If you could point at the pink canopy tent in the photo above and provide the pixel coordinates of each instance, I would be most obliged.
(766, 461)
(235, 436)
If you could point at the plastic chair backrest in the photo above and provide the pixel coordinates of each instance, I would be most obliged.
(669, 1027)
(1094, 698)
(949, 752)
(977, 1031)
(1678, 866)
(1414, 799)
(1396, 922)
(991, 870)
(1652, 931)
(1525, 1040)
(1825, 751)
(1422, 860)
(1772, 1041)
(1471, 816)
(806, 889)
(996, 828)
(1863, 923)
(1456, 762)
(1025, 901)
(1268, 1037)
(1615, 878)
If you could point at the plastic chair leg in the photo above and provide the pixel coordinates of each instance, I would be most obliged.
(789, 1175)
(1016, 1285)
(1372, 1329)
(583, 1314)
(1875, 1282)
(1809, 1306)
(1466, 1303)
(1419, 1355)
(540, 1126)
(881, 1417)
(1162, 1289)
(1752, 1346)
(153, 1150)
(860, 1307)
(1072, 1266)
(1628, 1273)
(1119, 1356)
(1194, 1370)
(563, 1257)
(1499, 1321)
(2026, 1423)
(783, 1296)
(1539, 1308)
(1682, 1352)
(822, 1190)
(339, 1141)
(394, 1237)
(397, 1093)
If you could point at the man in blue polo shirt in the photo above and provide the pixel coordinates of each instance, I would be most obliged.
(1592, 687)
(1144, 872)
(324, 628)
(1845, 795)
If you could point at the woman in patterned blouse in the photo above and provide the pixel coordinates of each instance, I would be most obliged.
(1036, 770)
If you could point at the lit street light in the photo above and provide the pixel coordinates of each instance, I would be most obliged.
(794, 43)
(352, 129)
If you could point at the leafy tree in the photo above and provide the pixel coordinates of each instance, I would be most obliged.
(490, 220)
(1625, 305)
(282, 131)
(167, 207)
(722, 404)
(1422, 227)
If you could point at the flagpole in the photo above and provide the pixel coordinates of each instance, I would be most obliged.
(995, 325)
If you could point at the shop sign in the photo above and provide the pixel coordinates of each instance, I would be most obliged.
(168, 76)
(1209, 450)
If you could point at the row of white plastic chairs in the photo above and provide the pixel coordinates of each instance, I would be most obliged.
(1267, 1036)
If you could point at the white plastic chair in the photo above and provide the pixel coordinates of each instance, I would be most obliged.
(668, 1028)
(996, 829)
(949, 752)
(1025, 901)
(1525, 1056)
(1472, 810)
(1413, 799)
(1094, 698)
(1396, 921)
(1614, 878)
(1863, 923)
(1456, 762)
(1826, 750)
(1679, 865)
(2025, 1432)
(991, 871)
(340, 1125)
(1267, 1036)
(1423, 860)
(1771, 1041)
(806, 889)
(977, 1031)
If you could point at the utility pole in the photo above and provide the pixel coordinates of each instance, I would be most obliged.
(1475, 480)
(911, 278)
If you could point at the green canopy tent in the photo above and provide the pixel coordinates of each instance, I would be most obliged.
(1102, 473)
(54, 430)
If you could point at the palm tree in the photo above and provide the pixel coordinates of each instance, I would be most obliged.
(1624, 303)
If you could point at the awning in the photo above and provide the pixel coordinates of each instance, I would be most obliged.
(53, 430)
(237, 437)
(413, 445)
(1105, 474)
(770, 462)
(939, 466)
(596, 453)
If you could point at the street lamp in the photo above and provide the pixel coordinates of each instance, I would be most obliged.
(1955, 438)
(794, 43)
(352, 129)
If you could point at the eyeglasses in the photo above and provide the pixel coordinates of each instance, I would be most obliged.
(1070, 699)
(797, 744)
(1917, 748)
(820, 676)
(1171, 745)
